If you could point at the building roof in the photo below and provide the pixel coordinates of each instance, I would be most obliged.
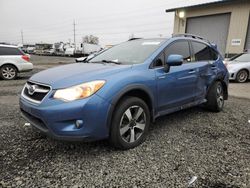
(202, 3)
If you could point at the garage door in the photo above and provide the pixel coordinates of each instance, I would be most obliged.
(247, 46)
(214, 28)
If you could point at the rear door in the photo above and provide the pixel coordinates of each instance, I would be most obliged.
(10, 55)
(206, 62)
(176, 87)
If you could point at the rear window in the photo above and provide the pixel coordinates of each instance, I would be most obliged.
(203, 52)
(10, 51)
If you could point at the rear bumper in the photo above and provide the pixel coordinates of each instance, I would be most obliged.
(25, 67)
(58, 119)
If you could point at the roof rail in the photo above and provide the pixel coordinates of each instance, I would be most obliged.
(134, 39)
(191, 36)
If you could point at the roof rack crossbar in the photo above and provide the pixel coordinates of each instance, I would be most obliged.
(192, 36)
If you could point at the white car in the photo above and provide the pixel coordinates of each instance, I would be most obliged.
(239, 67)
(13, 61)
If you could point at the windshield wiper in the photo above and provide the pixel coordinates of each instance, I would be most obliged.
(109, 61)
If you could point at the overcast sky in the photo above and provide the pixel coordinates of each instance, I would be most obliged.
(113, 21)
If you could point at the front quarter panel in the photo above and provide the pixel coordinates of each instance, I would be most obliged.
(138, 77)
(235, 68)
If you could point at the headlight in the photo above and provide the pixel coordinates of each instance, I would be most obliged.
(80, 91)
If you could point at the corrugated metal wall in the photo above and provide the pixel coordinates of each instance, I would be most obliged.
(213, 27)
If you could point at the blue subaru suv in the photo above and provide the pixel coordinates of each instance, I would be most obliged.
(119, 92)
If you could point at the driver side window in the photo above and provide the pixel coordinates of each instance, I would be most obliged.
(180, 48)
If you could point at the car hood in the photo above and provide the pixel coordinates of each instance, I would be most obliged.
(233, 66)
(77, 73)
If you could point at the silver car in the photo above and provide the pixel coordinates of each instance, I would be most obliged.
(239, 67)
(13, 61)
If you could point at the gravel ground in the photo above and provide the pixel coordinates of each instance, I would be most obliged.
(241, 90)
(215, 147)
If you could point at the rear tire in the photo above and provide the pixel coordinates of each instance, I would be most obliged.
(242, 76)
(8, 72)
(130, 123)
(215, 97)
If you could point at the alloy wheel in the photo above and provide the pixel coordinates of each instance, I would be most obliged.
(8, 72)
(132, 124)
(242, 76)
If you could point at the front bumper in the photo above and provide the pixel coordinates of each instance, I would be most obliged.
(57, 119)
(232, 75)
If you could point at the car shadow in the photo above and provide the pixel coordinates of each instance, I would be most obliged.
(233, 81)
(24, 77)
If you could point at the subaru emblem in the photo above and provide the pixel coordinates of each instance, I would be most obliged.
(32, 89)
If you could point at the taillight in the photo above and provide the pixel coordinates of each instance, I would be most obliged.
(26, 58)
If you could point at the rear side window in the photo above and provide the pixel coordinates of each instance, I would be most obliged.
(203, 52)
(10, 51)
(180, 48)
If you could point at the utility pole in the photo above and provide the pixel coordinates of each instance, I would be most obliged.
(74, 25)
(22, 35)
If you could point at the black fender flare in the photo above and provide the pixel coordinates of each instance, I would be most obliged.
(221, 79)
(122, 93)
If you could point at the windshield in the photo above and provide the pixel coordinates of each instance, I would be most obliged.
(130, 52)
(242, 58)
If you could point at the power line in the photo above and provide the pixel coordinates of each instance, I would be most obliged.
(111, 15)
(101, 30)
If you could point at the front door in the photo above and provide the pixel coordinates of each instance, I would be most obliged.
(176, 87)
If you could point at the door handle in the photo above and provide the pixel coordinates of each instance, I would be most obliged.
(213, 67)
(192, 72)
(162, 77)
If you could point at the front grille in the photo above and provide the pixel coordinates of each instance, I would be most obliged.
(35, 92)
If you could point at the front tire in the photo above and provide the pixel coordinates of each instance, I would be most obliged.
(242, 76)
(8, 72)
(215, 97)
(130, 123)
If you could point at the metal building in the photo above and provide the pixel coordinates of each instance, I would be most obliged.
(224, 22)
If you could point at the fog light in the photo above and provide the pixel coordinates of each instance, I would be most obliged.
(79, 124)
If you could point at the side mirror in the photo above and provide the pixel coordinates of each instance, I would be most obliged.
(174, 60)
